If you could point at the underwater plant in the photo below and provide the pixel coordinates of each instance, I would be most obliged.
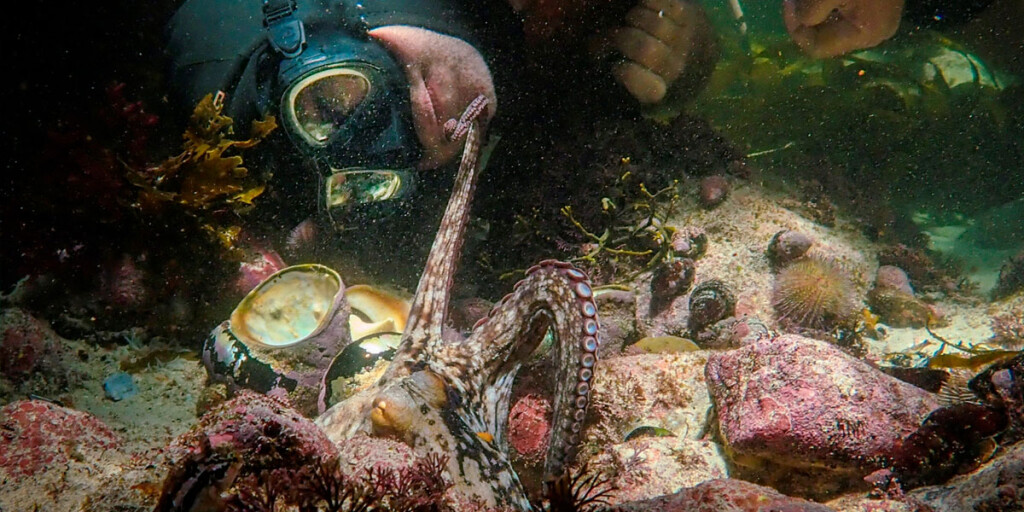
(206, 173)
(919, 122)
(605, 173)
(579, 491)
(633, 231)
(815, 294)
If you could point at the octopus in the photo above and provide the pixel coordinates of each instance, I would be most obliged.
(451, 395)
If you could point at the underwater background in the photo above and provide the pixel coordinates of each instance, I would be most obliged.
(806, 286)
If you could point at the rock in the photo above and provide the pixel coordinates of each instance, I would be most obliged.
(734, 332)
(656, 390)
(27, 346)
(898, 307)
(529, 428)
(997, 486)
(617, 311)
(252, 272)
(787, 246)
(362, 453)
(45, 447)
(647, 467)
(713, 190)
(670, 279)
(38, 435)
(119, 386)
(250, 425)
(254, 432)
(800, 404)
(893, 278)
(724, 495)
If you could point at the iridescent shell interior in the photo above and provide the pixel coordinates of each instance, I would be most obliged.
(288, 307)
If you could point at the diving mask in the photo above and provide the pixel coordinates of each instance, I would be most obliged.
(345, 106)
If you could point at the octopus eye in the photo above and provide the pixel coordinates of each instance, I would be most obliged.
(393, 414)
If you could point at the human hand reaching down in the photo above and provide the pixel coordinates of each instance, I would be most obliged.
(662, 41)
(826, 28)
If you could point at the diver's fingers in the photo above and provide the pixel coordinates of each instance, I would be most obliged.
(658, 26)
(645, 85)
(861, 24)
(835, 37)
(812, 12)
(647, 51)
(674, 10)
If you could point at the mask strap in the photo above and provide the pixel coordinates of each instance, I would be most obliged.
(285, 31)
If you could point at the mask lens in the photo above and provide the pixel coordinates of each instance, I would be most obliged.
(321, 103)
(358, 187)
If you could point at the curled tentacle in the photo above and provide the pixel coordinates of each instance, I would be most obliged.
(554, 295)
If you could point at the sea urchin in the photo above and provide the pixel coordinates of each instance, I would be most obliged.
(813, 293)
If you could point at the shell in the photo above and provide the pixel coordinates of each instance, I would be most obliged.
(713, 190)
(282, 336)
(671, 279)
(710, 302)
(375, 311)
(666, 344)
(689, 242)
(787, 246)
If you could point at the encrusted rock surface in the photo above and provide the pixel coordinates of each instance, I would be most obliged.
(51, 456)
(27, 346)
(724, 495)
(804, 404)
(997, 486)
(617, 310)
(645, 467)
(656, 390)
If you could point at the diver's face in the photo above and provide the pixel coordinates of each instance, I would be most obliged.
(445, 74)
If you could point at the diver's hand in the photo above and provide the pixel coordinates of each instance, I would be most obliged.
(826, 28)
(660, 40)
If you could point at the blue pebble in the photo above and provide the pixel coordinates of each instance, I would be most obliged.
(120, 386)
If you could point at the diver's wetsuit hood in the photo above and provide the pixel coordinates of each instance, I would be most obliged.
(224, 45)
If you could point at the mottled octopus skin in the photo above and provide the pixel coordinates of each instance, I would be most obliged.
(452, 395)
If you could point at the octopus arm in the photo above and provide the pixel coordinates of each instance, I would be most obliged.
(554, 296)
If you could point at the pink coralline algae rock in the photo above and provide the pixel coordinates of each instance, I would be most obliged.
(804, 403)
(894, 278)
(362, 454)
(36, 435)
(26, 345)
(261, 429)
(529, 428)
(724, 495)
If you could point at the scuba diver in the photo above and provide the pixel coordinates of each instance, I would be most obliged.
(363, 88)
